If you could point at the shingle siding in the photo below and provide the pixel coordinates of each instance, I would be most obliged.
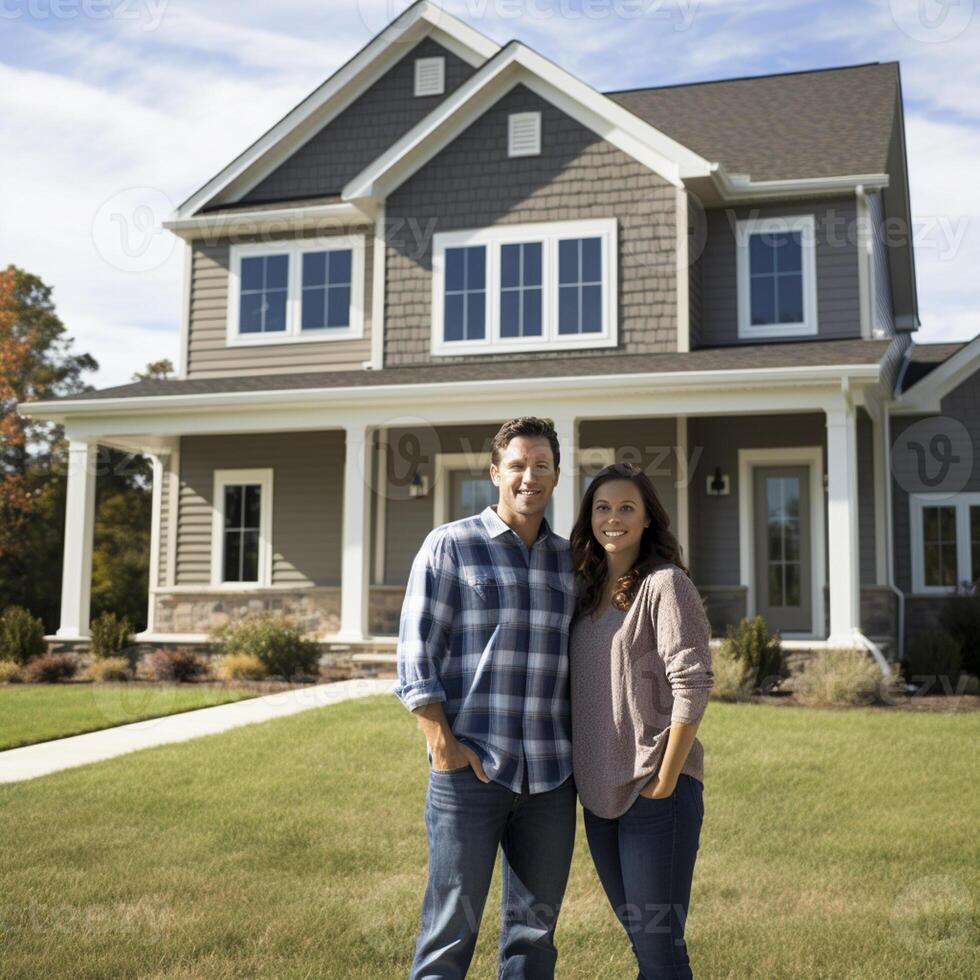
(208, 352)
(473, 184)
(362, 132)
(838, 309)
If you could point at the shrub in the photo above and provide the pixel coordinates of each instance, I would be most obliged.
(840, 677)
(760, 651)
(21, 635)
(50, 668)
(110, 635)
(960, 617)
(933, 654)
(9, 672)
(241, 667)
(179, 664)
(275, 641)
(732, 677)
(110, 669)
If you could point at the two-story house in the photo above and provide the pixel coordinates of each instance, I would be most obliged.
(712, 280)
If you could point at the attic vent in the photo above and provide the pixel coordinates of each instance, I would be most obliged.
(430, 76)
(524, 134)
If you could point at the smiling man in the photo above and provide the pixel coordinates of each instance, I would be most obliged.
(483, 664)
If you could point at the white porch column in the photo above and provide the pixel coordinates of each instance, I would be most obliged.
(354, 585)
(842, 527)
(76, 575)
(565, 496)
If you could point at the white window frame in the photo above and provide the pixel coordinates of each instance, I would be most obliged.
(421, 64)
(962, 502)
(805, 224)
(296, 250)
(549, 234)
(514, 121)
(223, 478)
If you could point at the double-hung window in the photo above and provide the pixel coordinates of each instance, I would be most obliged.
(241, 534)
(777, 279)
(283, 292)
(945, 541)
(525, 287)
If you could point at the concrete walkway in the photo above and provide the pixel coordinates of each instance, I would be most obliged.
(79, 750)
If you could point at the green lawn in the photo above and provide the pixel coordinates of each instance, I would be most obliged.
(32, 713)
(836, 844)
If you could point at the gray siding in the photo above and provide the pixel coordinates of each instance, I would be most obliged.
(714, 520)
(866, 498)
(307, 502)
(838, 307)
(362, 132)
(882, 317)
(962, 404)
(208, 353)
(473, 184)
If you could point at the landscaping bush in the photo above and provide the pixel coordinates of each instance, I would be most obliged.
(9, 672)
(933, 654)
(50, 668)
(760, 651)
(21, 635)
(840, 677)
(733, 680)
(110, 669)
(179, 664)
(275, 641)
(960, 617)
(241, 667)
(110, 635)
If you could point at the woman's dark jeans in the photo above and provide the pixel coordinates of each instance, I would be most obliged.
(645, 860)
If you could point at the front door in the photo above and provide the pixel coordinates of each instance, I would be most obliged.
(783, 566)
(470, 492)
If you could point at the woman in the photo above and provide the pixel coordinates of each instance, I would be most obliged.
(640, 676)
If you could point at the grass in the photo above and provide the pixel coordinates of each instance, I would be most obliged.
(31, 713)
(836, 844)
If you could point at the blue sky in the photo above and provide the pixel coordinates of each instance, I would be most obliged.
(113, 111)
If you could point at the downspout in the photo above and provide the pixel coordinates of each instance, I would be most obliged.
(889, 532)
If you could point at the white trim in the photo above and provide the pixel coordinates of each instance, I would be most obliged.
(173, 514)
(337, 93)
(811, 456)
(76, 575)
(682, 280)
(805, 225)
(565, 496)
(325, 218)
(155, 513)
(842, 518)
(222, 478)
(735, 188)
(864, 259)
(354, 578)
(549, 234)
(185, 311)
(524, 126)
(426, 86)
(447, 464)
(926, 396)
(961, 502)
(295, 250)
(514, 65)
(380, 256)
(381, 507)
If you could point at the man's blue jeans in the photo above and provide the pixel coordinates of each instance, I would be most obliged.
(466, 821)
(645, 860)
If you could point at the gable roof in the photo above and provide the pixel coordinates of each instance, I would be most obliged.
(823, 123)
(422, 19)
(932, 371)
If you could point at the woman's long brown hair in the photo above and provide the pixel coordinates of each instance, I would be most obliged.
(657, 545)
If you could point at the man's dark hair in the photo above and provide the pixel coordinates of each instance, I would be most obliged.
(526, 425)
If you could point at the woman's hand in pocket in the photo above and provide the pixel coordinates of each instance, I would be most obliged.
(658, 789)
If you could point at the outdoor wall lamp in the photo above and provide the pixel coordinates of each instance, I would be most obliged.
(718, 485)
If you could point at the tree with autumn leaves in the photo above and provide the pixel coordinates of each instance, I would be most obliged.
(37, 363)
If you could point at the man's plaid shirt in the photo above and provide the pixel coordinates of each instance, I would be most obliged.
(484, 629)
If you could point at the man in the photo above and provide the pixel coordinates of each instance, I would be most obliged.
(482, 662)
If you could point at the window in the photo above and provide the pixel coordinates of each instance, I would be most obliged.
(304, 290)
(430, 76)
(525, 287)
(241, 551)
(776, 269)
(945, 541)
(524, 134)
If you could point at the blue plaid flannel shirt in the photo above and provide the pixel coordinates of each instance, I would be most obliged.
(484, 629)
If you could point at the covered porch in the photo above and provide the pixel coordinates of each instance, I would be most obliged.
(314, 501)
